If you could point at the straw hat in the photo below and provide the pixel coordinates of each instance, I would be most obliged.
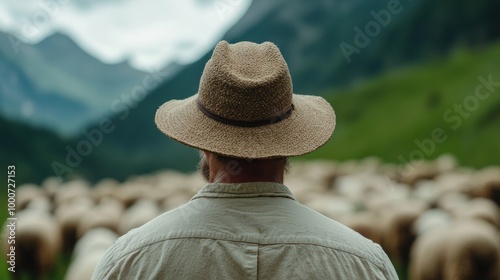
(245, 107)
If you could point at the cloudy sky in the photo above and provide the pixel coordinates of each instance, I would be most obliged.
(148, 33)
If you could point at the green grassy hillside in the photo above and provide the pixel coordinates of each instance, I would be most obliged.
(384, 117)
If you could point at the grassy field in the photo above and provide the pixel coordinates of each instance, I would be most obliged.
(64, 259)
(387, 116)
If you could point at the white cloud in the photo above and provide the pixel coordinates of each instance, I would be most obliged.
(149, 33)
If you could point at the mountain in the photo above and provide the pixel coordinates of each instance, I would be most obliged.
(433, 28)
(56, 85)
(447, 106)
(283, 22)
(30, 149)
(310, 36)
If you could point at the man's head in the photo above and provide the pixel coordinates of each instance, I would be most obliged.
(245, 109)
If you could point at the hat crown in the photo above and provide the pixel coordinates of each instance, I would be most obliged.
(246, 82)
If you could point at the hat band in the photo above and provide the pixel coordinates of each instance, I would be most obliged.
(224, 120)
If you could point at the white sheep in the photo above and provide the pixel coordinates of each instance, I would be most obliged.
(416, 171)
(69, 215)
(432, 219)
(105, 188)
(365, 223)
(334, 207)
(71, 190)
(129, 192)
(470, 249)
(322, 172)
(96, 238)
(83, 267)
(37, 242)
(175, 200)
(88, 251)
(171, 182)
(106, 214)
(51, 185)
(388, 197)
(302, 189)
(41, 203)
(454, 181)
(486, 183)
(398, 232)
(451, 201)
(26, 193)
(479, 208)
(350, 186)
(446, 163)
(141, 212)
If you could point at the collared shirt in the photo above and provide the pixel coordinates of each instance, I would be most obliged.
(244, 231)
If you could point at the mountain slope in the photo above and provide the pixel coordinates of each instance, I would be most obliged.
(136, 135)
(422, 112)
(394, 117)
(308, 35)
(432, 28)
(55, 75)
(31, 150)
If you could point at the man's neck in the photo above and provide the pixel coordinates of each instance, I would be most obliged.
(246, 177)
(243, 171)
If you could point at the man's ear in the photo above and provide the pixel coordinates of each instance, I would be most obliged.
(208, 155)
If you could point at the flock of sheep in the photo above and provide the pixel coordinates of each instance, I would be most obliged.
(438, 220)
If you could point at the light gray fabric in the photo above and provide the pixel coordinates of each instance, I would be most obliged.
(244, 231)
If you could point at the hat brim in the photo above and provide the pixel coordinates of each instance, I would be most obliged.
(310, 126)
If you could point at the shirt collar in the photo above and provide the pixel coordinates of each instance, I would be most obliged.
(242, 190)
